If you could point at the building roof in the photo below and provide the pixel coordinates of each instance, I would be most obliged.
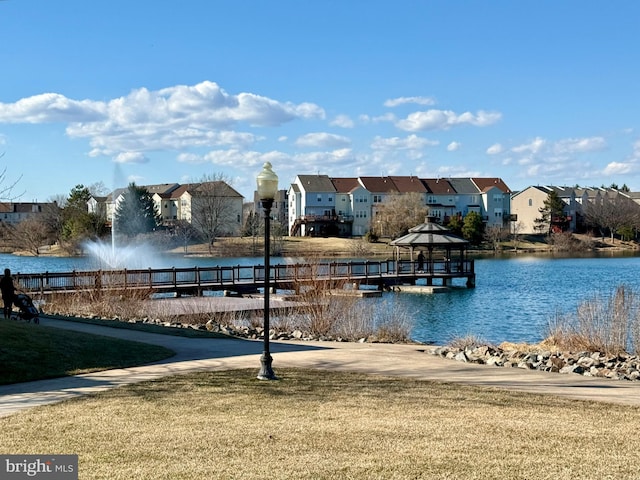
(464, 186)
(345, 185)
(22, 207)
(161, 188)
(486, 182)
(378, 184)
(408, 184)
(439, 186)
(316, 183)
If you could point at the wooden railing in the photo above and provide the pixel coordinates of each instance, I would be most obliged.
(240, 276)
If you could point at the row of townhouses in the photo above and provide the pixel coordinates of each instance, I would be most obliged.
(526, 204)
(349, 206)
(321, 205)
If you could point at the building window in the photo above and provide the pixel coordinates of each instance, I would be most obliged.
(319, 198)
(531, 202)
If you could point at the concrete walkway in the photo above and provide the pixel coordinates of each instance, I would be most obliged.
(415, 361)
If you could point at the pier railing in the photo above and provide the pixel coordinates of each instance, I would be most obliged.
(243, 277)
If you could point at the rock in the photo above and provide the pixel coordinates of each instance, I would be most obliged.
(586, 362)
(461, 357)
(495, 360)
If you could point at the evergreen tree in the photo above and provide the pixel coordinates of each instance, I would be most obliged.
(77, 222)
(473, 228)
(552, 217)
(136, 212)
(455, 225)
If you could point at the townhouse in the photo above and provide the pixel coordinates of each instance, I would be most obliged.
(321, 205)
(13, 213)
(527, 203)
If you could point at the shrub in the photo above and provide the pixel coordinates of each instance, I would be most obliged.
(609, 324)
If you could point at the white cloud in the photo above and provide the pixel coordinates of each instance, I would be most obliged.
(343, 121)
(620, 168)
(394, 102)
(457, 171)
(191, 158)
(495, 149)
(411, 142)
(172, 118)
(52, 107)
(322, 140)
(244, 159)
(445, 119)
(387, 117)
(579, 145)
(130, 157)
(532, 147)
(316, 161)
(453, 146)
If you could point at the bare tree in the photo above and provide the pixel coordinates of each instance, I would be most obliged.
(611, 213)
(214, 209)
(184, 231)
(516, 230)
(399, 213)
(6, 187)
(495, 234)
(253, 227)
(30, 234)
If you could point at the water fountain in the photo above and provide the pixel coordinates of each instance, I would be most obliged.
(111, 255)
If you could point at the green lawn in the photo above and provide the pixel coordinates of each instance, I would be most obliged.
(34, 352)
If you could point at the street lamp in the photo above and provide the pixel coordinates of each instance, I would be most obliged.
(267, 188)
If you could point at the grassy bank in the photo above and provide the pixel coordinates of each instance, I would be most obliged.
(34, 352)
(327, 425)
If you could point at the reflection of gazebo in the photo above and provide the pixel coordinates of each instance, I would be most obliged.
(446, 255)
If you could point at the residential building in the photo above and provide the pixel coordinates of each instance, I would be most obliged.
(347, 191)
(193, 202)
(312, 206)
(441, 199)
(496, 200)
(351, 206)
(13, 213)
(279, 209)
(527, 203)
(175, 202)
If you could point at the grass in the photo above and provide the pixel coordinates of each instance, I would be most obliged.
(34, 352)
(328, 425)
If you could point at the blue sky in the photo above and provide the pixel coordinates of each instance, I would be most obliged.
(534, 92)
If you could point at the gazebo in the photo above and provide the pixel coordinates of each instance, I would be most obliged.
(446, 253)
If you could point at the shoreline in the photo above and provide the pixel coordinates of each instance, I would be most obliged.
(334, 247)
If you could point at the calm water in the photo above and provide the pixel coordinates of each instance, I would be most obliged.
(513, 300)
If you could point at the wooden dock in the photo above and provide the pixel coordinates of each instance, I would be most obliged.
(241, 279)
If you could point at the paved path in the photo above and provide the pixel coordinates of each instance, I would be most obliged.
(413, 361)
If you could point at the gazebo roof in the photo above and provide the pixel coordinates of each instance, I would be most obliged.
(429, 234)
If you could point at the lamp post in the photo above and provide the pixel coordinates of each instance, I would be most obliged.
(267, 182)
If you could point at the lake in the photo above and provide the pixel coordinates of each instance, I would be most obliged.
(513, 300)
